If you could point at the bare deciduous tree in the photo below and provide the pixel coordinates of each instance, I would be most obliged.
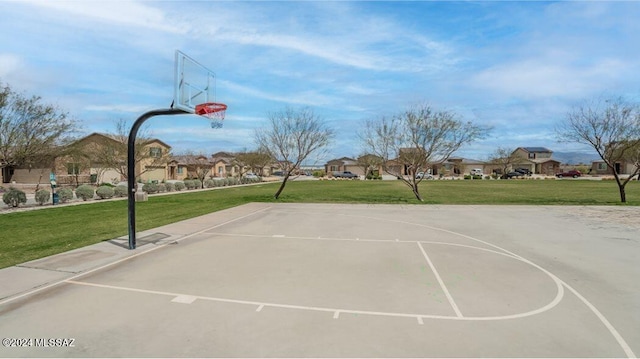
(30, 131)
(198, 165)
(254, 161)
(414, 140)
(369, 163)
(291, 136)
(505, 158)
(612, 128)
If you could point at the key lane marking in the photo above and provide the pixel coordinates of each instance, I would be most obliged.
(441, 282)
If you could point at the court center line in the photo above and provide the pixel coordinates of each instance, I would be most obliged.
(441, 282)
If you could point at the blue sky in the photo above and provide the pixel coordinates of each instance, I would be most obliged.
(516, 66)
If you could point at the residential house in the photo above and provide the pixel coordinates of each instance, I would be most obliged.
(223, 164)
(101, 158)
(621, 167)
(189, 166)
(456, 166)
(626, 166)
(343, 164)
(538, 160)
(154, 166)
(34, 173)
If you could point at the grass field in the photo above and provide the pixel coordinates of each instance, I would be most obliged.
(30, 235)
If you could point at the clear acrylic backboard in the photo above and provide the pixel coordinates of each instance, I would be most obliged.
(194, 83)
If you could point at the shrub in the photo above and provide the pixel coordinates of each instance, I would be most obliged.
(120, 191)
(64, 195)
(198, 183)
(105, 192)
(179, 186)
(42, 196)
(169, 187)
(162, 187)
(319, 173)
(85, 192)
(150, 188)
(14, 197)
(190, 184)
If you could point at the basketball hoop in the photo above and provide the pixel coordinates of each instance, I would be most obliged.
(213, 111)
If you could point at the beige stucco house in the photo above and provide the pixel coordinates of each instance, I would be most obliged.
(536, 159)
(101, 158)
(343, 164)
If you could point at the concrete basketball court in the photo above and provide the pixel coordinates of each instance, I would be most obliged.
(324, 280)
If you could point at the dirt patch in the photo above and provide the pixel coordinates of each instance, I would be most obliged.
(628, 216)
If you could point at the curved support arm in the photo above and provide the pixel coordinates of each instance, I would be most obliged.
(131, 166)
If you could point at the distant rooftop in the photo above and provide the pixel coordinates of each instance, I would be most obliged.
(536, 149)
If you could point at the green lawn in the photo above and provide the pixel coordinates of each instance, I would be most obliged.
(30, 235)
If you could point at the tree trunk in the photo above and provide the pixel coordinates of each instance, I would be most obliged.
(414, 188)
(284, 182)
(623, 194)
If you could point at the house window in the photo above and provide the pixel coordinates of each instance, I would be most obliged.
(532, 155)
(73, 168)
(333, 168)
(602, 166)
(155, 152)
(180, 170)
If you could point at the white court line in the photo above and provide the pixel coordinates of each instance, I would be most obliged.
(261, 305)
(612, 330)
(444, 287)
(561, 284)
(44, 287)
(324, 309)
(501, 252)
(184, 299)
(336, 311)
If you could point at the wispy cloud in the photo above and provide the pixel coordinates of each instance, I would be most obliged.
(119, 13)
(517, 66)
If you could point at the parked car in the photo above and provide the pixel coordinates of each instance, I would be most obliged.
(572, 173)
(344, 174)
(477, 172)
(250, 175)
(514, 174)
(524, 171)
(423, 175)
(278, 173)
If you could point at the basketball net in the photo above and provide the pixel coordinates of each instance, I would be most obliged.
(213, 111)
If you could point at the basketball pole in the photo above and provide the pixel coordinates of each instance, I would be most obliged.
(131, 166)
